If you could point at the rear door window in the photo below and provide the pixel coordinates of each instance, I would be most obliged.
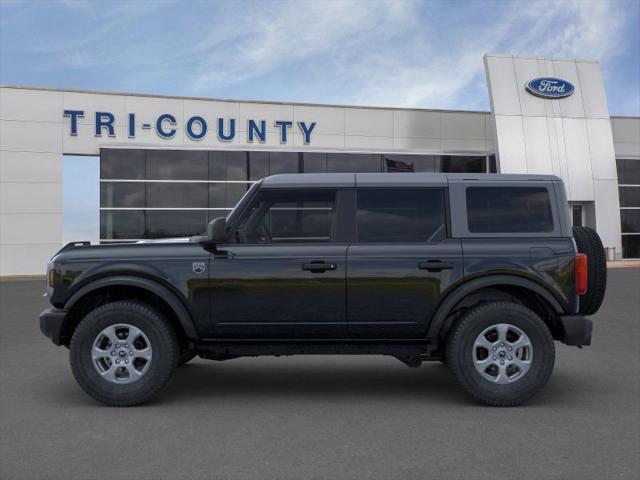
(509, 210)
(387, 215)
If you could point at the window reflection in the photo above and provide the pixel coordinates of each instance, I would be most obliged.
(177, 195)
(176, 165)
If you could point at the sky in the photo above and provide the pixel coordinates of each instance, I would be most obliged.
(378, 53)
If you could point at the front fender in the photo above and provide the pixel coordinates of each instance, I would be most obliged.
(171, 298)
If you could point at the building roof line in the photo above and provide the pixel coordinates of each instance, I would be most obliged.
(229, 100)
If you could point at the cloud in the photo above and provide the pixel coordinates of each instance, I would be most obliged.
(274, 38)
(387, 52)
(560, 29)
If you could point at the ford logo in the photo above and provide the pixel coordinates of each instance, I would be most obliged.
(550, 87)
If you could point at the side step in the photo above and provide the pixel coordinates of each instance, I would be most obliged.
(410, 353)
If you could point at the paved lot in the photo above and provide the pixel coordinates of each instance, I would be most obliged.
(322, 417)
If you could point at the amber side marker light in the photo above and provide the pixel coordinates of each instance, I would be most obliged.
(581, 273)
(52, 277)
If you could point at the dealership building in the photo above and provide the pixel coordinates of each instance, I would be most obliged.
(170, 164)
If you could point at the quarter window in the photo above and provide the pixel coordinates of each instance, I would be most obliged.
(400, 216)
(304, 216)
(509, 210)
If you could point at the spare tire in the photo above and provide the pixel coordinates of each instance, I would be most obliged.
(588, 242)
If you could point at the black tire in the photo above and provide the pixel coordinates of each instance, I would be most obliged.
(186, 356)
(164, 347)
(588, 242)
(460, 351)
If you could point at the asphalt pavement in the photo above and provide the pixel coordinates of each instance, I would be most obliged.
(317, 417)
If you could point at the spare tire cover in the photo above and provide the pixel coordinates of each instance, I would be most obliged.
(588, 242)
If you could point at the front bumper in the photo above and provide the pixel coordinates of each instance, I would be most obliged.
(575, 330)
(52, 323)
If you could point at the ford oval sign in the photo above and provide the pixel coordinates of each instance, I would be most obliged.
(550, 87)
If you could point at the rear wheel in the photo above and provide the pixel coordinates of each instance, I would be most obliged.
(588, 242)
(502, 353)
(123, 353)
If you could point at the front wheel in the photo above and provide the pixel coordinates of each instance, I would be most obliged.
(123, 353)
(502, 353)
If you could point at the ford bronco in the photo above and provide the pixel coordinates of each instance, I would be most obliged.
(481, 272)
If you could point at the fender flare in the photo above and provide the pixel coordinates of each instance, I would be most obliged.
(174, 302)
(453, 298)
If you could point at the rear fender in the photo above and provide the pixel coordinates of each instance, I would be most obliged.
(439, 322)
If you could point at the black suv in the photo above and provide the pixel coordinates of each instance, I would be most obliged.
(481, 272)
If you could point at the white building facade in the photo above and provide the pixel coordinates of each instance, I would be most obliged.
(170, 164)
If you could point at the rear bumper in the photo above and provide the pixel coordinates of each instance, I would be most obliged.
(51, 324)
(576, 330)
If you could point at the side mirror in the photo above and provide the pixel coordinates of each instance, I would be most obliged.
(217, 230)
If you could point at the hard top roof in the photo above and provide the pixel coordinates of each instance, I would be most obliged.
(320, 180)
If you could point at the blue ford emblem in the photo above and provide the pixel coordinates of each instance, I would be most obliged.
(550, 87)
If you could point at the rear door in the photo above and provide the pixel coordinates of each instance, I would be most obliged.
(401, 263)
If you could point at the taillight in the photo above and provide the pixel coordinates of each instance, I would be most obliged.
(581, 273)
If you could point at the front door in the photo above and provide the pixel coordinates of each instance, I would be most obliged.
(284, 274)
(401, 263)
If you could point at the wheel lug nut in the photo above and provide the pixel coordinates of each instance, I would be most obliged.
(117, 345)
(131, 353)
(510, 357)
(501, 362)
(502, 344)
(126, 345)
(126, 361)
(494, 357)
(494, 349)
(113, 353)
(117, 361)
(510, 348)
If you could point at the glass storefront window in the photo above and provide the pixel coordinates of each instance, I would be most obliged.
(353, 162)
(122, 164)
(411, 163)
(629, 196)
(314, 162)
(463, 164)
(226, 195)
(122, 195)
(122, 224)
(227, 165)
(176, 165)
(177, 195)
(631, 246)
(283, 162)
(175, 223)
(630, 221)
(493, 164)
(258, 165)
(628, 171)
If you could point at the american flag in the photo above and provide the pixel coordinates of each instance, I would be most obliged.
(398, 166)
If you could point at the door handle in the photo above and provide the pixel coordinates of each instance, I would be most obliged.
(435, 266)
(318, 267)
